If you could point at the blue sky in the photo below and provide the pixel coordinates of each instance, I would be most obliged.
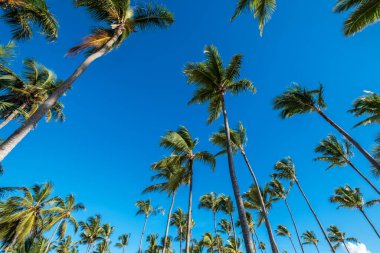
(117, 111)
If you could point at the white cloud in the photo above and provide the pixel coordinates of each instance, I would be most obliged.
(357, 248)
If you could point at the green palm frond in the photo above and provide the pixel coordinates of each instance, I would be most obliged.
(368, 105)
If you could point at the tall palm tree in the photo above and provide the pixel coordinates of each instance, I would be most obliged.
(285, 169)
(277, 189)
(261, 9)
(339, 237)
(309, 238)
(252, 230)
(365, 13)
(153, 244)
(179, 220)
(210, 242)
(238, 143)
(283, 231)
(299, 100)
(338, 154)
(173, 176)
(22, 15)
(107, 232)
(232, 246)
(122, 20)
(92, 232)
(169, 244)
(65, 245)
(62, 216)
(225, 227)
(182, 145)
(227, 206)
(102, 247)
(346, 197)
(145, 208)
(123, 241)
(367, 105)
(214, 81)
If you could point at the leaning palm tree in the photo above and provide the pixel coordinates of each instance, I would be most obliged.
(299, 100)
(227, 206)
(367, 105)
(339, 237)
(179, 220)
(285, 169)
(174, 176)
(62, 216)
(145, 208)
(277, 189)
(309, 238)
(338, 154)
(365, 13)
(261, 9)
(122, 21)
(92, 232)
(346, 197)
(22, 15)
(123, 241)
(283, 231)
(238, 143)
(214, 81)
(182, 145)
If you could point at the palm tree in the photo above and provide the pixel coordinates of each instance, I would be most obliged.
(62, 216)
(146, 209)
(376, 151)
(227, 206)
(213, 81)
(309, 238)
(277, 189)
(283, 231)
(123, 241)
(346, 197)
(251, 226)
(107, 232)
(102, 247)
(338, 154)
(299, 100)
(22, 15)
(174, 177)
(232, 246)
(365, 13)
(153, 245)
(6, 53)
(238, 143)
(210, 242)
(225, 227)
(179, 220)
(261, 9)
(182, 146)
(122, 20)
(262, 246)
(23, 216)
(367, 105)
(286, 170)
(169, 244)
(65, 245)
(92, 232)
(339, 237)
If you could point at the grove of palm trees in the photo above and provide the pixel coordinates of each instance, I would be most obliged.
(189, 127)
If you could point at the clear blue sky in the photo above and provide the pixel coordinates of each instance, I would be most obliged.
(117, 111)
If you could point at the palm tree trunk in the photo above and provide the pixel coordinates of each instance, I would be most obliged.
(294, 247)
(215, 229)
(253, 242)
(88, 247)
(352, 140)
(262, 205)
(315, 216)
(316, 246)
(370, 223)
(233, 230)
(12, 116)
(7, 146)
(168, 222)
(364, 177)
(190, 203)
(258, 241)
(235, 187)
(345, 246)
(294, 224)
(142, 235)
(180, 240)
(52, 236)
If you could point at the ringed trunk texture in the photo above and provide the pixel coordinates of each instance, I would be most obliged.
(315, 216)
(52, 236)
(235, 186)
(266, 219)
(294, 224)
(370, 223)
(8, 145)
(352, 140)
(142, 235)
(190, 203)
(364, 177)
(168, 222)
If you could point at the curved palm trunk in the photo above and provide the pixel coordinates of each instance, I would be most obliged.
(7, 146)
(316, 246)
(352, 140)
(190, 203)
(294, 247)
(234, 231)
(142, 235)
(345, 246)
(294, 224)
(52, 236)
(364, 177)
(262, 205)
(168, 222)
(370, 223)
(235, 187)
(315, 216)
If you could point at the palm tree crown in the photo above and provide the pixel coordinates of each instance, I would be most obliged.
(367, 105)
(346, 197)
(309, 237)
(339, 237)
(334, 152)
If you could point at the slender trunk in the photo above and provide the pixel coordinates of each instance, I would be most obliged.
(370, 223)
(364, 177)
(350, 139)
(315, 216)
(294, 247)
(12, 116)
(264, 211)
(345, 246)
(123, 249)
(235, 186)
(258, 241)
(88, 247)
(215, 230)
(253, 242)
(294, 224)
(190, 203)
(7, 146)
(142, 235)
(180, 240)
(52, 236)
(233, 230)
(316, 246)
(168, 222)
